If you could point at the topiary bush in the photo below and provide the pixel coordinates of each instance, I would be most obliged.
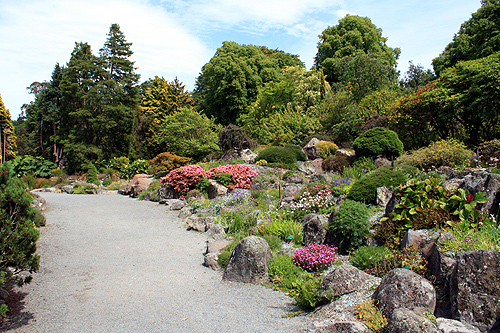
(350, 225)
(298, 151)
(365, 188)
(378, 141)
(277, 154)
(233, 136)
(450, 153)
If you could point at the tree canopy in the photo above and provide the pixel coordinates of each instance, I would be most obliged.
(8, 147)
(230, 81)
(477, 38)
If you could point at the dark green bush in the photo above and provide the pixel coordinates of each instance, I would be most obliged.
(336, 163)
(37, 166)
(299, 152)
(378, 141)
(350, 225)
(274, 242)
(276, 154)
(365, 188)
(39, 219)
(233, 136)
(223, 178)
(367, 256)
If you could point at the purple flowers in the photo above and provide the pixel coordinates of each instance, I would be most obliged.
(315, 257)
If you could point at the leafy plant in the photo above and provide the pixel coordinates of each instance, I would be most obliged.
(307, 292)
(285, 228)
(372, 316)
(350, 225)
(450, 153)
(336, 163)
(284, 273)
(274, 242)
(118, 163)
(367, 257)
(82, 189)
(326, 148)
(463, 204)
(315, 257)
(27, 164)
(134, 168)
(378, 141)
(365, 188)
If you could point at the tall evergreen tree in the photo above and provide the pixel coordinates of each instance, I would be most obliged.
(8, 145)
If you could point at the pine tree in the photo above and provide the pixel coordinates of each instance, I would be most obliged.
(8, 146)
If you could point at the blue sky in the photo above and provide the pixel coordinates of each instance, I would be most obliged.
(175, 38)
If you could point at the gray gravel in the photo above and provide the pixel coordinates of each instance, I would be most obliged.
(114, 264)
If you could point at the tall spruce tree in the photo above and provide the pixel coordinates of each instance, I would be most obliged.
(8, 145)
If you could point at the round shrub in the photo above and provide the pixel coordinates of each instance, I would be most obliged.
(299, 152)
(349, 225)
(367, 256)
(326, 148)
(315, 257)
(378, 141)
(450, 153)
(365, 188)
(276, 154)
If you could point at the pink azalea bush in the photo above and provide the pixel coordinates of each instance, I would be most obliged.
(315, 257)
(242, 174)
(185, 178)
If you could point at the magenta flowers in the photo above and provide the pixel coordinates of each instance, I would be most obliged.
(315, 257)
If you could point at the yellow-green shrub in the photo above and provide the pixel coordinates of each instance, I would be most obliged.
(326, 148)
(450, 153)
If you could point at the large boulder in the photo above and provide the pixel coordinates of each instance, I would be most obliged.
(216, 189)
(249, 261)
(384, 194)
(311, 149)
(137, 184)
(314, 229)
(402, 288)
(200, 223)
(344, 279)
(407, 321)
(475, 289)
(165, 192)
(446, 325)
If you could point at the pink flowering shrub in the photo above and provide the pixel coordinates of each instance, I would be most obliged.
(242, 174)
(184, 178)
(315, 257)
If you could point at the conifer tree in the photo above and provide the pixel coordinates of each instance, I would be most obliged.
(8, 146)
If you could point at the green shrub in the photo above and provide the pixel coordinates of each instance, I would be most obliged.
(92, 175)
(360, 167)
(286, 229)
(166, 162)
(223, 178)
(365, 188)
(37, 166)
(284, 273)
(336, 163)
(119, 163)
(276, 154)
(17, 229)
(41, 183)
(307, 292)
(378, 141)
(450, 153)
(106, 182)
(367, 256)
(134, 168)
(39, 219)
(350, 225)
(298, 151)
(274, 242)
(233, 136)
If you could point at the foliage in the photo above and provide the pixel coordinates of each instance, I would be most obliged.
(17, 229)
(315, 257)
(223, 258)
(409, 258)
(276, 154)
(352, 36)
(416, 77)
(365, 188)
(336, 163)
(119, 163)
(283, 272)
(184, 178)
(477, 38)
(315, 198)
(190, 134)
(326, 148)
(233, 136)
(223, 178)
(298, 151)
(274, 242)
(342, 186)
(366, 257)
(229, 82)
(9, 147)
(307, 292)
(39, 219)
(350, 225)
(160, 100)
(92, 175)
(134, 168)
(285, 227)
(377, 141)
(441, 153)
(261, 162)
(360, 167)
(82, 189)
(474, 98)
(372, 316)
(165, 162)
(37, 166)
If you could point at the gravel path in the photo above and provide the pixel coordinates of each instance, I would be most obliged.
(114, 264)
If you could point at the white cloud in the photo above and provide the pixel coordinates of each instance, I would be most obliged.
(37, 34)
